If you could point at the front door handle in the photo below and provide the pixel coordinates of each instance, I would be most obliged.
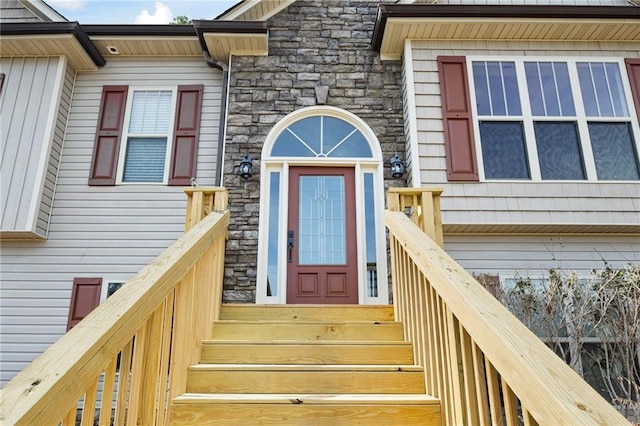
(290, 245)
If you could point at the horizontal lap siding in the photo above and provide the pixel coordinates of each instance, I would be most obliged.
(534, 256)
(512, 202)
(13, 11)
(109, 232)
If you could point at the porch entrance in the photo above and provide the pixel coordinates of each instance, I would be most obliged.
(321, 236)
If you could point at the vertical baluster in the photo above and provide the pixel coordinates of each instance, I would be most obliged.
(107, 392)
(493, 386)
(528, 418)
(70, 418)
(469, 377)
(89, 405)
(137, 368)
(510, 404)
(427, 223)
(456, 369)
(123, 384)
(423, 333)
(445, 361)
(481, 385)
(164, 358)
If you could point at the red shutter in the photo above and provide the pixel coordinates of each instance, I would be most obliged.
(633, 68)
(184, 151)
(85, 297)
(457, 119)
(108, 133)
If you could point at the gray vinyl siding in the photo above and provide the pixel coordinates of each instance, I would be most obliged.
(30, 128)
(534, 256)
(513, 202)
(13, 11)
(109, 232)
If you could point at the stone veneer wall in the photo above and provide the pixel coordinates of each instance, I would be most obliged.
(311, 43)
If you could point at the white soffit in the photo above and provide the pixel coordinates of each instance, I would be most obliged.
(397, 30)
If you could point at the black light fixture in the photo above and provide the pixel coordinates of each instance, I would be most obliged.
(397, 166)
(245, 167)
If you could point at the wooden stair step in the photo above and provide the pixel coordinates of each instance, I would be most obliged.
(248, 378)
(306, 330)
(307, 312)
(306, 352)
(312, 409)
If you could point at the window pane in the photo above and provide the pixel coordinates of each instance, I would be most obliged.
(321, 136)
(144, 161)
(559, 150)
(613, 151)
(322, 224)
(342, 139)
(503, 150)
(496, 88)
(370, 234)
(549, 89)
(274, 214)
(481, 85)
(150, 111)
(602, 89)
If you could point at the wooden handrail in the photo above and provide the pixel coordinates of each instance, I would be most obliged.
(124, 346)
(484, 365)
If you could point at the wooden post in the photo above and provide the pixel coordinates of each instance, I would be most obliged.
(201, 201)
(424, 204)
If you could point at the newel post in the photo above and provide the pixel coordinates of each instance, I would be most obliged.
(203, 200)
(422, 205)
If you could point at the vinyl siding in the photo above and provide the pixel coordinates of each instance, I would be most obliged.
(13, 11)
(534, 256)
(512, 202)
(109, 232)
(30, 128)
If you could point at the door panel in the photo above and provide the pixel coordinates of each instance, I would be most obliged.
(322, 252)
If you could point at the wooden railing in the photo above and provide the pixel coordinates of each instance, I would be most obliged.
(132, 352)
(486, 367)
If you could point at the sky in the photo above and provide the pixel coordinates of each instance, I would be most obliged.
(138, 12)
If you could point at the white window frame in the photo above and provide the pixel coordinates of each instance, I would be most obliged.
(124, 139)
(527, 119)
(372, 165)
(105, 286)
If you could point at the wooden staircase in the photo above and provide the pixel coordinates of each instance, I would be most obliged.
(312, 365)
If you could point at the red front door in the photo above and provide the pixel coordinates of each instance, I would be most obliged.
(321, 236)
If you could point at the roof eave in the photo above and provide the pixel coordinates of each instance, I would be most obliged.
(413, 11)
(55, 28)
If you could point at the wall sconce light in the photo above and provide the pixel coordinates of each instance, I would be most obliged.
(245, 167)
(397, 167)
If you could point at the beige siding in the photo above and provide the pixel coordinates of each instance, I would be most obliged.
(31, 93)
(534, 256)
(13, 11)
(109, 232)
(512, 202)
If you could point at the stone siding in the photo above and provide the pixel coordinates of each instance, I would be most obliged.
(311, 43)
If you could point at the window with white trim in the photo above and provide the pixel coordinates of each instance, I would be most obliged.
(145, 152)
(555, 119)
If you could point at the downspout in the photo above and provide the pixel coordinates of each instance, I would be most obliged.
(222, 127)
